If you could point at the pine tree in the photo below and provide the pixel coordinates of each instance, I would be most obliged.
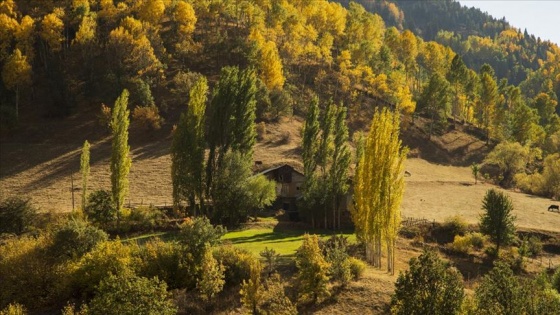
(84, 169)
(379, 187)
(497, 220)
(120, 157)
(187, 149)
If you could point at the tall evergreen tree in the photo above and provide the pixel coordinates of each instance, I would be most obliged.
(120, 157)
(497, 220)
(84, 170)
(379, 187)
(187, 150)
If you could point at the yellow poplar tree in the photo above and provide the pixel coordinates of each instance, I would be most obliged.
(16, 73)
(379, 187)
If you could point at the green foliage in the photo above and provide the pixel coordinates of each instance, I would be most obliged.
(497, 221)
(237, 263)
(335, 253)
(169, 262)
(275, 300)
(187, 149)
(435, 101)
(127, 294)
(84, 169)
(261, 193)
(312, 270)
(510, 158)
(357, 267)
(100, 207)
(556, 280)
(120, 159)
(14, 309)
(455, 225)
(145, 218)
(475, 169)
(500, 292)
(28, 273)
(430, 286)
(211, 278)
(252, 290)
(531, 246)
(271, 258)
(107, 258)
(197, 233)
(75, 238)
(17, 215)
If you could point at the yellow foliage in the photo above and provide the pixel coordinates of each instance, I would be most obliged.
(24, 35)
(185, 16)
(16, 71)
(8, 7)
(87, 30)
(151, 11)
(7, 27)
(51, 31)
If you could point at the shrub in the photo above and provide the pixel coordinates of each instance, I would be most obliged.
(275, 300)
(146, 218)
(535, 246)
(104, 117)
(127, 294)
(455, 225)
(252, 290)
(312, 270)
(430, 286)
(100, 207)
(17, 215)
(147, 117)
(556, 280)
(111, 257)
(497, 221)
(357, 267)
(211, 278)
(168, 262)
(196, 233)
(270, 257)
(27, 273)
(335, 253)
(237, 263)
(500, 292)
(14, 309)
(75, 238)
(463, 244)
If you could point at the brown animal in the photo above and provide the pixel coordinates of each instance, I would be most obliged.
(554, 208)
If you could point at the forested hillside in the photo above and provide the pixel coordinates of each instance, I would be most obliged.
(64, 57)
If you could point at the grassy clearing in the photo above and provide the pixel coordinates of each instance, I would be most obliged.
(283, 242)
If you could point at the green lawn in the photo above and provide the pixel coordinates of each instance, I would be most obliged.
(283, 242)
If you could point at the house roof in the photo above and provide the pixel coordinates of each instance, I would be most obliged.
(266, 171)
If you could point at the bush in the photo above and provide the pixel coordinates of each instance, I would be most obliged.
(357, 267)
(146, 218)
(270, 257)
(104, 117)
(17, 215)
(111, 257)
(211, 278)
(335, 253)
(197, 233)
(129, 294)
(147, 117)
(168, 262)
(237, 263)
(430, 286)
(455, 225)
(556, 280)
(275, 300)
(261, 130)
(252, 290)
(100, 207)
(28, 275)
(500, 292)
(463, 244)
(75, 238)
(312, 270)
(14, 309)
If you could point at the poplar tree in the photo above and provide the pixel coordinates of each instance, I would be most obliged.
(120, 157)
(187, 149)
(379, 187)
(84, 169)
(340, 163)
(231, 117)
(310, 142)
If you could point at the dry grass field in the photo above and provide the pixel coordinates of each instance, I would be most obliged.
(44, 171)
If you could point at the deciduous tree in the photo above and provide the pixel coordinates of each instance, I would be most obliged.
(120, 156)
(84, 169)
